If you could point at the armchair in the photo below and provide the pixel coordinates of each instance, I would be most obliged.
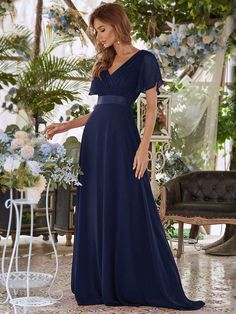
(201, 197)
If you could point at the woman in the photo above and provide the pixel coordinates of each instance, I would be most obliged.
(121, 255)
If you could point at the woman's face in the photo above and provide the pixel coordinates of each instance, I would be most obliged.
(105, 33)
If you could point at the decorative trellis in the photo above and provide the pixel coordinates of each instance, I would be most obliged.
(160, 139)
(162, 131)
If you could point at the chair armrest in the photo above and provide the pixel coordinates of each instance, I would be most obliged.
(162, 211)
(170, 194)
(173, 194)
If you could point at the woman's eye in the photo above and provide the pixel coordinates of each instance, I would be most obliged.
(102, 30)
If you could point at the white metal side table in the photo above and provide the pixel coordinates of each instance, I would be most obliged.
(25, 279)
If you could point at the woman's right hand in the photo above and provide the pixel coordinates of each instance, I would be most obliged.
(55, 128)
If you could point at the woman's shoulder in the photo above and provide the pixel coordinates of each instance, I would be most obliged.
(148, 56)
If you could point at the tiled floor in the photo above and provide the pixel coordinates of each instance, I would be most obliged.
(210, 278)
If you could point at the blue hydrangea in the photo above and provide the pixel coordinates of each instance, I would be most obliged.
(60, 150)
(4, 138)
(46, 149)
(34, 167)
(175, 45)
(173, 38)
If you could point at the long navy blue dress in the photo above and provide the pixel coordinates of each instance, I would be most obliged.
(121, 255)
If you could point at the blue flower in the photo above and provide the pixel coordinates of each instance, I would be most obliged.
(175, 45)
(51, 14)
(55, 27)
(63, 20)
(173, 38)
(34, 167)
(45, 149)
(164, 49)
(61, 150)
(54, 146)
(4, 138)
(170, 39)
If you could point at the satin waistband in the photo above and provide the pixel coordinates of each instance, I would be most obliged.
(112, 99)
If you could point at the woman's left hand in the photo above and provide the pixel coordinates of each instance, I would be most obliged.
(140, 161)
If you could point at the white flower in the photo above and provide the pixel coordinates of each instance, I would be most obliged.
(34, 167)
(191, 25)
(178, 54)
(21, 134)
(11, 164)
(38, 140)
(184, 50)
(165, 62)
(29, 142)
(191, 60)
(163, 39)
(17, 143)
(182, 30)
(190, 41)
(27, 152)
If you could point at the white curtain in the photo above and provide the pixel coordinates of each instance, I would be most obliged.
(195, 109)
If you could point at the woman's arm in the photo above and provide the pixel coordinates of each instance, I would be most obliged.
(56, 128)
(141, 157)
(78, 122)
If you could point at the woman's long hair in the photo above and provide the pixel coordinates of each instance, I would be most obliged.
(114, 15)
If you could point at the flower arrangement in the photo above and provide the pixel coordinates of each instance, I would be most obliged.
(29, 161)
(184, 45)
(65, 22)
(6, 6)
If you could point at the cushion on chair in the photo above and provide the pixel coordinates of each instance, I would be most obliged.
(203, 209)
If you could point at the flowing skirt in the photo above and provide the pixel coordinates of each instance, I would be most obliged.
(121, 255)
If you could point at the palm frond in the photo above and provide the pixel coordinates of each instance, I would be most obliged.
(6, 79)
(47, 68)
(16, 43)
(46, 82)
(44, 101)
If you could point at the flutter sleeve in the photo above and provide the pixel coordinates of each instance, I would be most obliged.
(149, 74)
(93, 87)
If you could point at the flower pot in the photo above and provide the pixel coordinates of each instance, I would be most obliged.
(33, 194)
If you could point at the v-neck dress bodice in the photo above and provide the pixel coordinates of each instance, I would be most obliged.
(121, 255)
(138, 74)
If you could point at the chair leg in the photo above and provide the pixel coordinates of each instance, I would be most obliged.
(68, 239)
(180, 239)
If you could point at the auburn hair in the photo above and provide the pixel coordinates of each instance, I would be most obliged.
(113, 14)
